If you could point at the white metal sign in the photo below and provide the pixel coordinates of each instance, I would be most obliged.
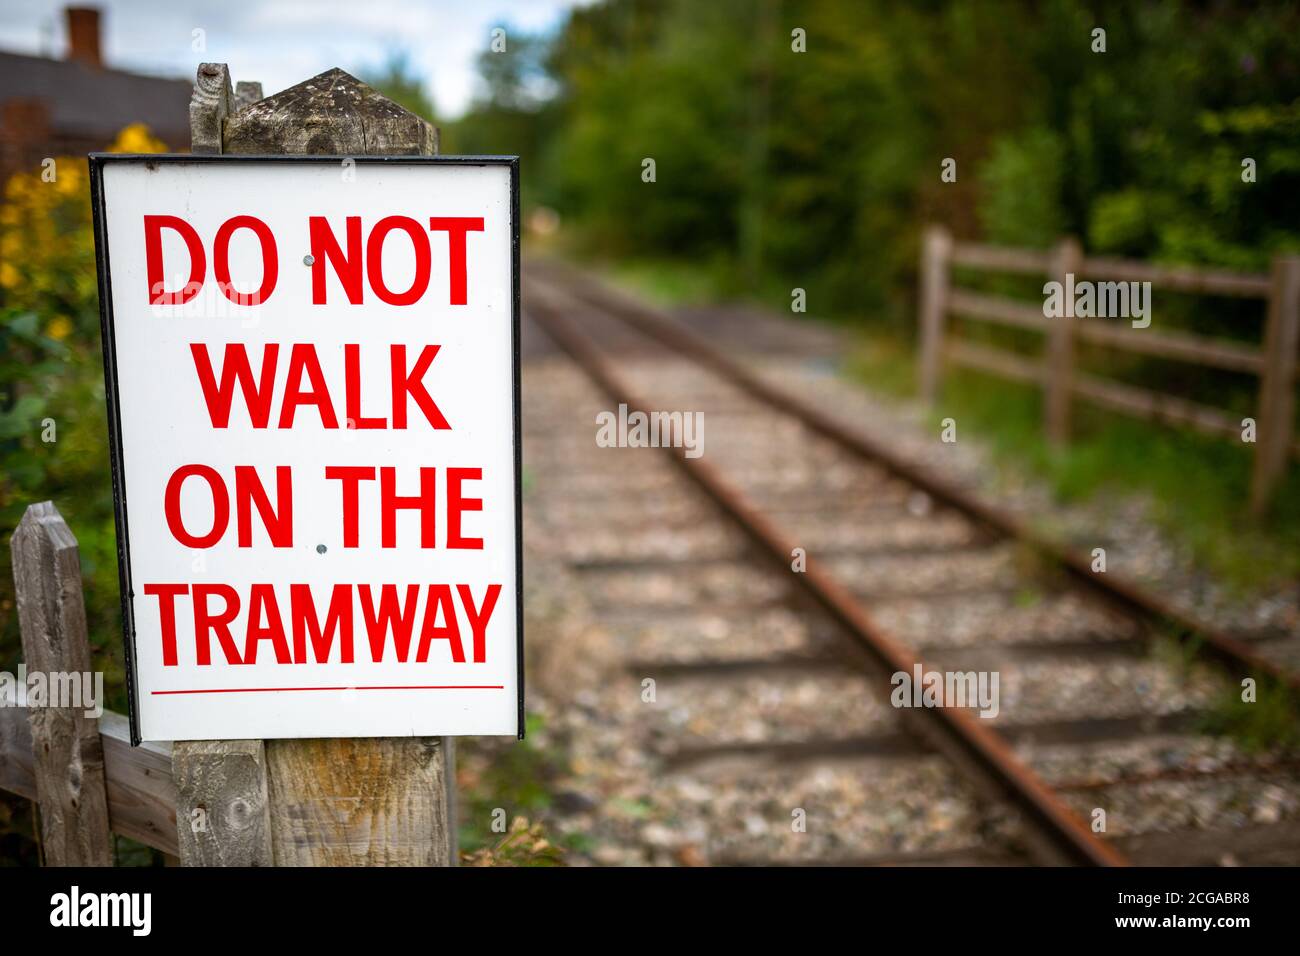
(312, 376)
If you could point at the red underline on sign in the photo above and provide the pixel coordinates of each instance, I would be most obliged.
(265, 690)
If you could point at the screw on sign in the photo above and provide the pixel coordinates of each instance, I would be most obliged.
(338, 440)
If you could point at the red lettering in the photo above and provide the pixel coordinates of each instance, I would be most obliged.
(346, 268)
(456, 504)
(478, 619)
(262, 603)
(374, 259)
(449, 632)
(352, 389)
(338, 620)
(456, 227)
(250, 492)
(221, 260)
(153, 256)
(220, 506)
(413, 384)
(206, 623)
(390, 502)
(235, 367)
(351, 476)
(167, 594)
(302, 359)
(389, 619)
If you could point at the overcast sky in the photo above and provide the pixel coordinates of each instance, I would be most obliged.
(282, 42)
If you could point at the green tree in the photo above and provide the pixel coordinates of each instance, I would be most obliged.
(396, 79)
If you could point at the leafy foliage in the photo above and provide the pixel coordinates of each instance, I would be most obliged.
(53, 431)
(516, 777)
(1271, 723)
(525, 845)
(397, 80)
(818, 169)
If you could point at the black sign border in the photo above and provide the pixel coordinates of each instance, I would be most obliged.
(98, 162)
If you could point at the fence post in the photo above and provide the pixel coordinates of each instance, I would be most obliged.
(332, 802)
(211, 102)
(936, 246)
(222, 811)
(1276, 412)
(222, 815)
(67, 752)
(1067, 259)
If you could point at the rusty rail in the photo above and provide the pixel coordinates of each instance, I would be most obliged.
(1055, 833)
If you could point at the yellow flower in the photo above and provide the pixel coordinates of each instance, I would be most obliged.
(137, 138)
(60, 327)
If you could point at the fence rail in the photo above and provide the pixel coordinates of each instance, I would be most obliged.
(82, 771)
(1273, 361)
(138, 780)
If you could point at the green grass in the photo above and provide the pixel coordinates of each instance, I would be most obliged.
(1198, 485)
(1270, 722)
(669, 283)
(885, 365)
(517, 776)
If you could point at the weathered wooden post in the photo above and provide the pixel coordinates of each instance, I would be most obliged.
(326, 802)
(936, 247)
(223, 816)
(1059, 364)
(68, 754)
(1276, 424)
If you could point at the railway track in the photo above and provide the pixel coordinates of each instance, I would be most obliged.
(901, 574)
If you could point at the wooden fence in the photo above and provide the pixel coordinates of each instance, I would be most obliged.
(202, 803)
(83, 773)
(1274, 362)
